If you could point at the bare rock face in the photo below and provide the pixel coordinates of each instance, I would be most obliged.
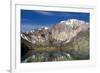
(66, 30)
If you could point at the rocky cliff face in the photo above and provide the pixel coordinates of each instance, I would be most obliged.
(66, 30)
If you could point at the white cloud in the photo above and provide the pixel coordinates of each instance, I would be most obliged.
(45, 13)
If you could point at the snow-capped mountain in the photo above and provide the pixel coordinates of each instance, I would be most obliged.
(64, 31)
(35, 35)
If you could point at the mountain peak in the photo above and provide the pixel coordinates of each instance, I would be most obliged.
(68, 29)
(63, 31)
(72, 21)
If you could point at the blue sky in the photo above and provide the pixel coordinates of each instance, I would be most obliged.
(31, 19)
